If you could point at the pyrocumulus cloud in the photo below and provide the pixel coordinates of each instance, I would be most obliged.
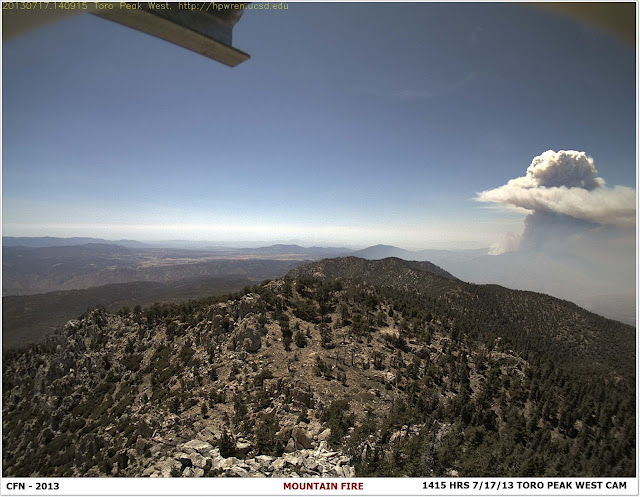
(564, 183)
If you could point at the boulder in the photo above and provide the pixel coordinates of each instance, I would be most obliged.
(217, 462)
(302, 397)
(245, 338)
(264, 460)
(301, 438)
(292, 460)
(156, 449)
(148, 472)
(165, 467)
(314, 428)
(311, 463)
(324, 436)
(291, 446)
(250, 304)
(198, 446)
(237, 472)
(230, 462)
(198, 460)
(339, 471)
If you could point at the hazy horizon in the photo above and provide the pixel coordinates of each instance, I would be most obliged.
(263, 243)
(567, 272)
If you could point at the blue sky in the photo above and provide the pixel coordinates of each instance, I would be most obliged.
(351, 124)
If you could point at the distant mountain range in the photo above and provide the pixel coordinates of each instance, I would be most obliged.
(51, 241)
(276, 249)
(279, 249)
(607, 288)
(27, 271)
(384, 251)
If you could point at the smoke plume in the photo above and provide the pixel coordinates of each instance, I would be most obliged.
(565, 196)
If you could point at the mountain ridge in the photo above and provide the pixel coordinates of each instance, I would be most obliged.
(606, 288)
(357, 267)
(457, 293)
(328, 375)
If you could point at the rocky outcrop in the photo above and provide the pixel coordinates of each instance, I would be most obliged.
(299, 392)
(247, 336)
(301, 438)
(197, 458)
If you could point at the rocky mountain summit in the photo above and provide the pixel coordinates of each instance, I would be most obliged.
(343, 367)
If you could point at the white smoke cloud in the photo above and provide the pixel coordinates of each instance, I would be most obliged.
(561, 189)
(510, 242)
(564, 168)
(601, 206)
